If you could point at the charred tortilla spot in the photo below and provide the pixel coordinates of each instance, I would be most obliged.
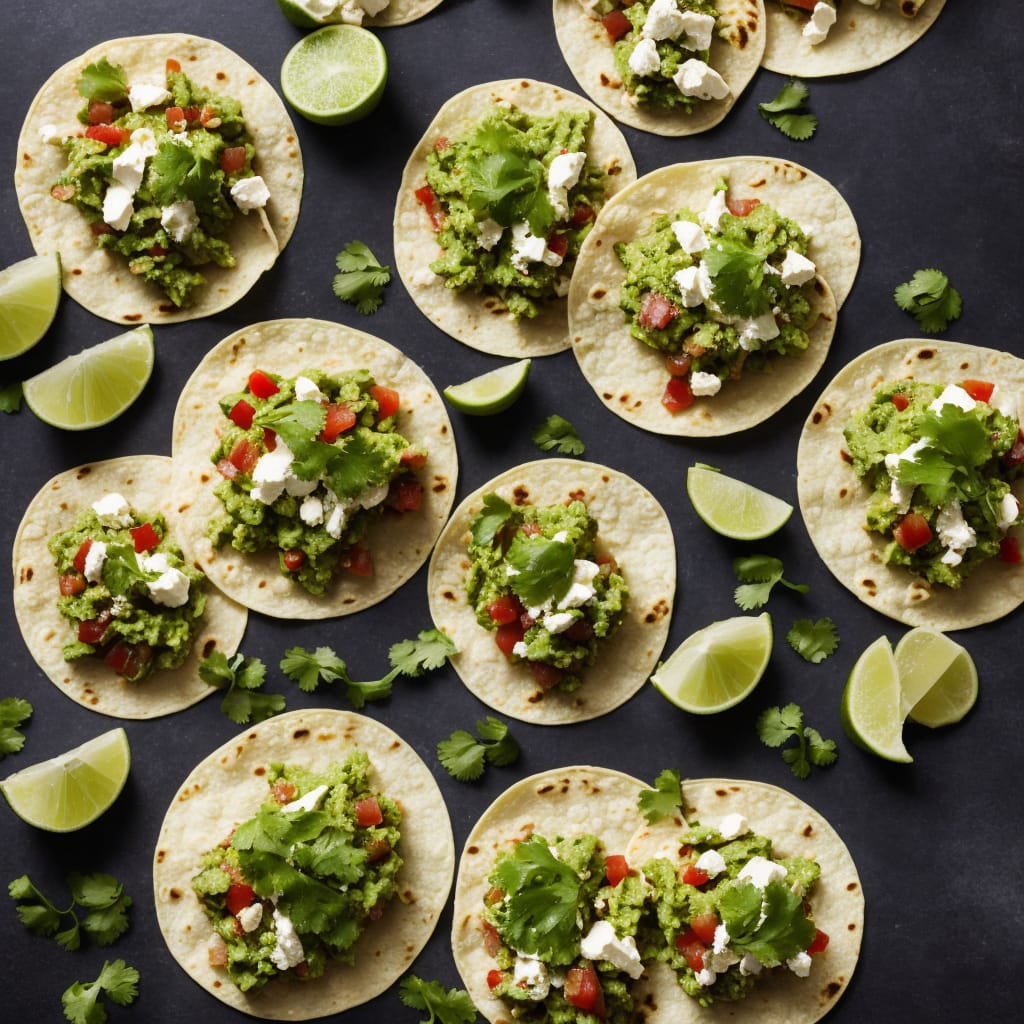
(209, 647)
(26, 574)
(843, 492)
(132, 317)
(472, 849)
(607, 396)
(808, 830)
(440, 486)
(174, 894)
(543, 790)
(852, 926)
(521, 495)
(852, 886)
(845, 455)
(832, 989)
(160, 855)
(259, 770)
(301, 734)
(598, 293)
(448, 595)
(925, 353)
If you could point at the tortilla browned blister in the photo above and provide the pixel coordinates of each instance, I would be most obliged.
(796, 830)
(399, 544)
(736, 49)
(628, 376)
(99, 279)
(635, 530)
(477, 319)
(834, 502)
(229, 785)
(861, 38)
(145, 483)
(562, 802)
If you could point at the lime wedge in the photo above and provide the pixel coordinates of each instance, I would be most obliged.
(871, 709)
(69, 791)
(938, 678)
(96, 385)
(335, 75)
(734, 508)
(717, 666)
(297, 14)
(491, 392)
(29, 294)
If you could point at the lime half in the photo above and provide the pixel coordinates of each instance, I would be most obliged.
(871, 709)
(717, 666)
(335, 75)
(491, 392)
(70, 791)
(29, 295)
(734, 508)
(96, 385)
(938, 678)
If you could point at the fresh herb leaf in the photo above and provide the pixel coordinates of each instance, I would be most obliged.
(10, 397)
(464, 756)
(738, 274)
(950, 466)
(311, 668)
(544, 568)
(813, 641)
(429, 651)
(490, 519)
(242, 677)
(298, 424)
(180, 172)
(121, 569)
(82, 1001)
(100, 896)
(770, 924)
(103, 81)
(557, 434)
(757, 575)
(14, 712)
(453, 1006)
(784, 112)
(361, 278)
(663, 801)
(930, 299)
(777, 725)
(358, 466)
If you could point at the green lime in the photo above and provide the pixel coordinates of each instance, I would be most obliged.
(71, 790)
(29, 294)
(717, 666)
(298, 15)
(336, 74)
(491, 392)
(96, 385)
(734, 508)
(871, 709)
(938, 678)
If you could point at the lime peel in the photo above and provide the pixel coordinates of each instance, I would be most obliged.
(30, 292)
(871, 710)
(491, 392)
(732, 507)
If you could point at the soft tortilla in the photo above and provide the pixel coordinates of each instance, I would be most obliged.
(100, 279)
(144, 481)
(795, 829)
(479, 320)
(401, 12)
(589, 53)
(399, 544)
(628, 376)
(861, 38)
(228, 786)
(563, 802)
(834, 502)
(637, 533)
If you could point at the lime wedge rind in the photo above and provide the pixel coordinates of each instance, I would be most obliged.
(30, 292)
(871, 709)
(491, 392)
(732, 507)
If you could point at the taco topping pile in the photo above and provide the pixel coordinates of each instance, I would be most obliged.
(819, 16)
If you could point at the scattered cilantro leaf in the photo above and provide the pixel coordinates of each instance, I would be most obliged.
(298, 424)
(930, 299)
(241, 677)
(361, 278)
(427, 652)
(813, 641)
(770, 924)
(490, 519)
(777, 725)
(464, 756)
(82, 1001)
(784, 111)
(180, 172)
(453, 1006)
(557, 434)
(100, 898)
(757, 575)
(14, 712)
(544, 568)
(663, 801)
(10, 397)
(103, 81)
(357, 465)
(311, 668)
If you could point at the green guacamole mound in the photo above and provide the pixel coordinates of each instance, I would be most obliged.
(498, 172)
(965, 461)
(529, 556)
(328, 875)
(140, 635)
(360, 476)
(186, 167)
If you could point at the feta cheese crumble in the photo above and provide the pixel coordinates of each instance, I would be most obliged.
(700, 80)
(822, 18)
(601, 943)
(250, 193)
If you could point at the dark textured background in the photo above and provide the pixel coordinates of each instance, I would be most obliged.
(927, 150)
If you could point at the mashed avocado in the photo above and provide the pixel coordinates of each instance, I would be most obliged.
(295, 885)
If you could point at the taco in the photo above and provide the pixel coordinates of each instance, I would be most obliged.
(910, 477)
(373, 13)
(121, 632)
(271, 931)
(165, 171)
(751, 257)
(808, 40)
(490, 266)
(555, 580)
(314, 466)
(671, 67)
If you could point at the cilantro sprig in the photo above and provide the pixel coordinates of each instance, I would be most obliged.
(464, 756)
(241, 677)
(758, 574)
(813, 641)
(82, 1000)
(665, 799)
(361, 278)
(453, 1006)
(103, 81)
(14, 712)
(785, 111)
(777, 725)
(181, 172)
(930, 299)
(739, 278)
(99, 909)
(556, 433)
(770, 924)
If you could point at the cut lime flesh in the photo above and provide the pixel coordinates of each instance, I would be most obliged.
(871, 709)
(938, 677)
(30, 292)
(491, 392)
(732, 507)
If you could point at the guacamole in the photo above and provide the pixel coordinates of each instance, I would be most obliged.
(126, 591)
(294, 886)
(159, 171)
(308, 464)
(541, 581)
(939, 460)
(510, 202)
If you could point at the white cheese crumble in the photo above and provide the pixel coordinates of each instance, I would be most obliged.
(953, 395)
(1009, 510)
(711, 862)
(697, 28)
(307, 802)
(664, 20)
(531, 975)
(250, 917)
(954, 532)
(288, 951)
(272, 476)
(143, 95)
(800, 964)
(113, 506)
(94, 559)
(307, 391)
(250, 193)
(704, 385)
(690, 236)
(180, 219)
(50, 136)
(700, 80)
(170, 588)
(694, 284)
(563, 174)
(528, 248)
(822, 18)
(601, 943)
(488, 234)
(713, 211)
(759, 871)
(796, 268)
(733, 825)
(644, 60)
(901, 494)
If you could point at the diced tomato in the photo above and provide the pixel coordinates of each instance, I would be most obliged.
(232, 159)
(507, 635)
(175, 119)
(441, 143)
(357, 560)
(583, 990)
(207, 114)
(227, 469)
(678, 364)
(900, 400)
(616, 24)
(692, 948)
(413, 458)
(172, 65)
(492, 940)
(368, 812)
(144, 537)
(387, 399)
(677, 395)
(408, 496)
(616, 868)
(544, 675)
(238, 897)
(192, 113)
(269, 439)
(283, 791)
(100, 112)
(505, 609)
(695, 876)
(339, 419)
(427, 198)
(262, 385)
(293, 559)
(97, 228)
(90, 631)
(704, 925)
(241, 414)
(128, 660)
(377, 849)
(157, 250)
(1009, 551)
(108, 134)
(71, 583)
(559, 244)
(494, 977)
(583, 214)
(244, 455)
(741, 207)
(818, 943)
(656, 312)
(63, 193)
(1015, 456)
(82, 554)
(979, 390)
(912, 532)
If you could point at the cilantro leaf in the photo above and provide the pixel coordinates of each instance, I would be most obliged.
(121, 568)
(103, 81)
(465, 757)
(241, 677)
(361, 278)
(490, 519)
(544, 568)
(758, 574)
(453, 1006)
(10, 397)
(784, 111)
(663, 801)
(738, 276)
(14, 712)
(358, 466)
(813, 641)
(770, 924)
(82, 1001)
(429, 651)
(930, 299)
(777, 725)
(100, 896)
(34, 910)
(180, 172)
(557, 434)
(298, 424)
(311, 668)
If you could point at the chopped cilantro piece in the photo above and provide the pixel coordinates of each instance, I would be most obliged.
(490, 519)
(757, 575)
(544, 568)
(738, 273)
(361, 278)
(930, 299)
(241, 677)
(453, 1006)
(103, 81)
(664, 800)
(81, 1001)
(557, 434)
(14, 712)
(770, 924)
(10, 397)
(775, 726)
(784, 112)
(464, 756)
(813, 641)
(179, 172)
